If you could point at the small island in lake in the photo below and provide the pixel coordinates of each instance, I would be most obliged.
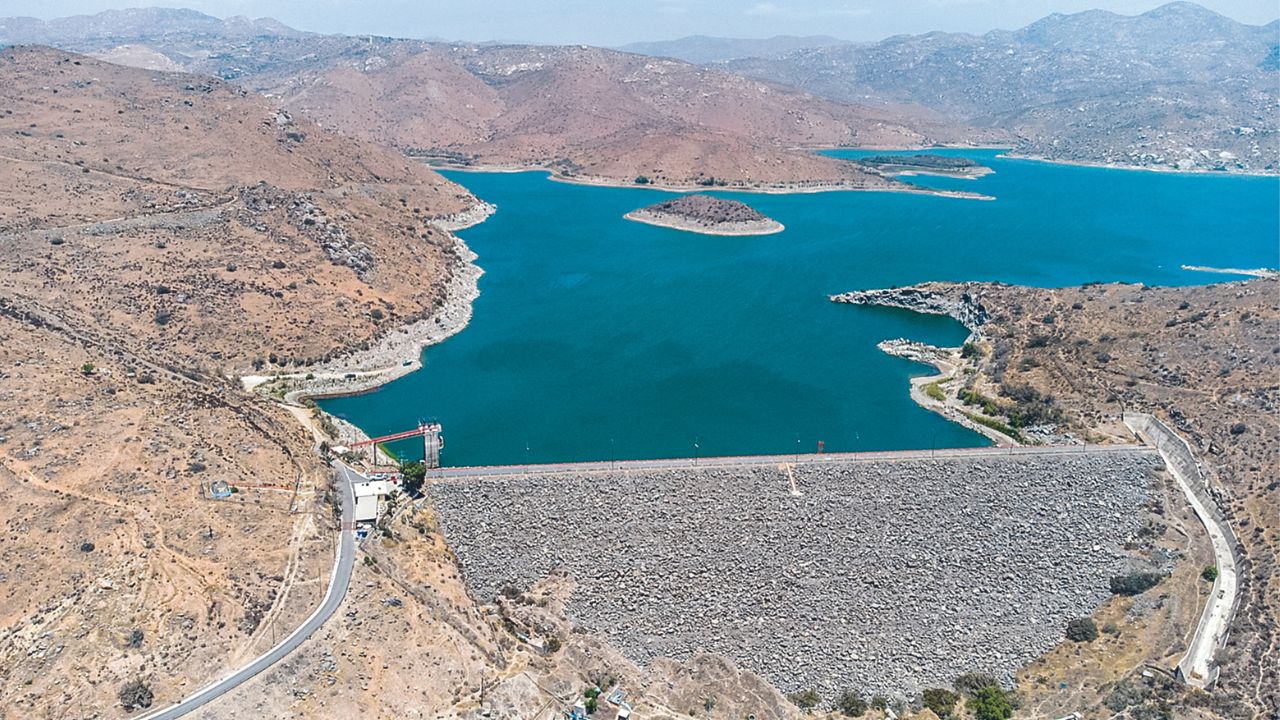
(925, 164)
(706, 214)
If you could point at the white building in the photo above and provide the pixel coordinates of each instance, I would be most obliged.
(370, 494)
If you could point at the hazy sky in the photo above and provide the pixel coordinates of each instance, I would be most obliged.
(613, 22)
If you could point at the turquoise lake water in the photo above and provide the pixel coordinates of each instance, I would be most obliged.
(596, 337)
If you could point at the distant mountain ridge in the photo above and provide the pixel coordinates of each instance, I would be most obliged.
(702, 49)
(591, 113)
(136, 24)
(1179, 86)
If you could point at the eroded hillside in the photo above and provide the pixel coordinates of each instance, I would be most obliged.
(591, 113)
(160, 231)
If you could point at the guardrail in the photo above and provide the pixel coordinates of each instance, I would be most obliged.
(1197, 667)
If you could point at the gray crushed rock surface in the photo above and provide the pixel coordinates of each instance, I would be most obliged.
(880, 576)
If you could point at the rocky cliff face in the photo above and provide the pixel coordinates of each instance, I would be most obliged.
(961, 302)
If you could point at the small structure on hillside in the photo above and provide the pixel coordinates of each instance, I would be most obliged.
(371, 495)
(220, 489)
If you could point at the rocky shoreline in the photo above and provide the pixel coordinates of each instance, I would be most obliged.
(398, 352)
(766, 226)
(795, 187)
(898, 166)
(1114, 165)
(947, 363)
(470, 217)
(968, 310)
(799, 187)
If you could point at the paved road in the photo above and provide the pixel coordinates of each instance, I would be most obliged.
(1198, 665)
(448, 473)
(338, 581)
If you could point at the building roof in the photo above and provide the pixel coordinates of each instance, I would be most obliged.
(372, 487)
(366, 508)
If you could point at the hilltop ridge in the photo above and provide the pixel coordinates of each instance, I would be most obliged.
(589, 113)
(704, 49)
(162, 234)
(1177, 87)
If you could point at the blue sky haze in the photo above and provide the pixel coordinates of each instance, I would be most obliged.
(614, 22)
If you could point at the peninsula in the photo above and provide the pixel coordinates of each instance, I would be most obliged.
(926, 164)
(708, 215)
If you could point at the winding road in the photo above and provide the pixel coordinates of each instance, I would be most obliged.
(343, 564)
(1199, 665)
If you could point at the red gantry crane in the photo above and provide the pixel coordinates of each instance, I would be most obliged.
(432, 442)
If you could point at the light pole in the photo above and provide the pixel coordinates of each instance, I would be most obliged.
(695, 449)
(797, 448)
(612, 454)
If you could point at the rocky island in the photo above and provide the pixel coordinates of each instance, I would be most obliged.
(925, 164)
(708, 215)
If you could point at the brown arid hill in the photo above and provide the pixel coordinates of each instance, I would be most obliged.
(236, 208)
(1205, 360)
(589, 112)
(593, 113)
(159, 231)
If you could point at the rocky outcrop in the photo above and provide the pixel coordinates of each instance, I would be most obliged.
(472, 216)
(961, 302)
(310, 220)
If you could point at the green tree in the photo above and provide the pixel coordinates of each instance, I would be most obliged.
(136, 694)
(991, 703)
(1082, 630)
(1134, 583)
(851, 703)
(1209, 573)
(413, 473)
(969, 684)
(806, 700)
(941, 701)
